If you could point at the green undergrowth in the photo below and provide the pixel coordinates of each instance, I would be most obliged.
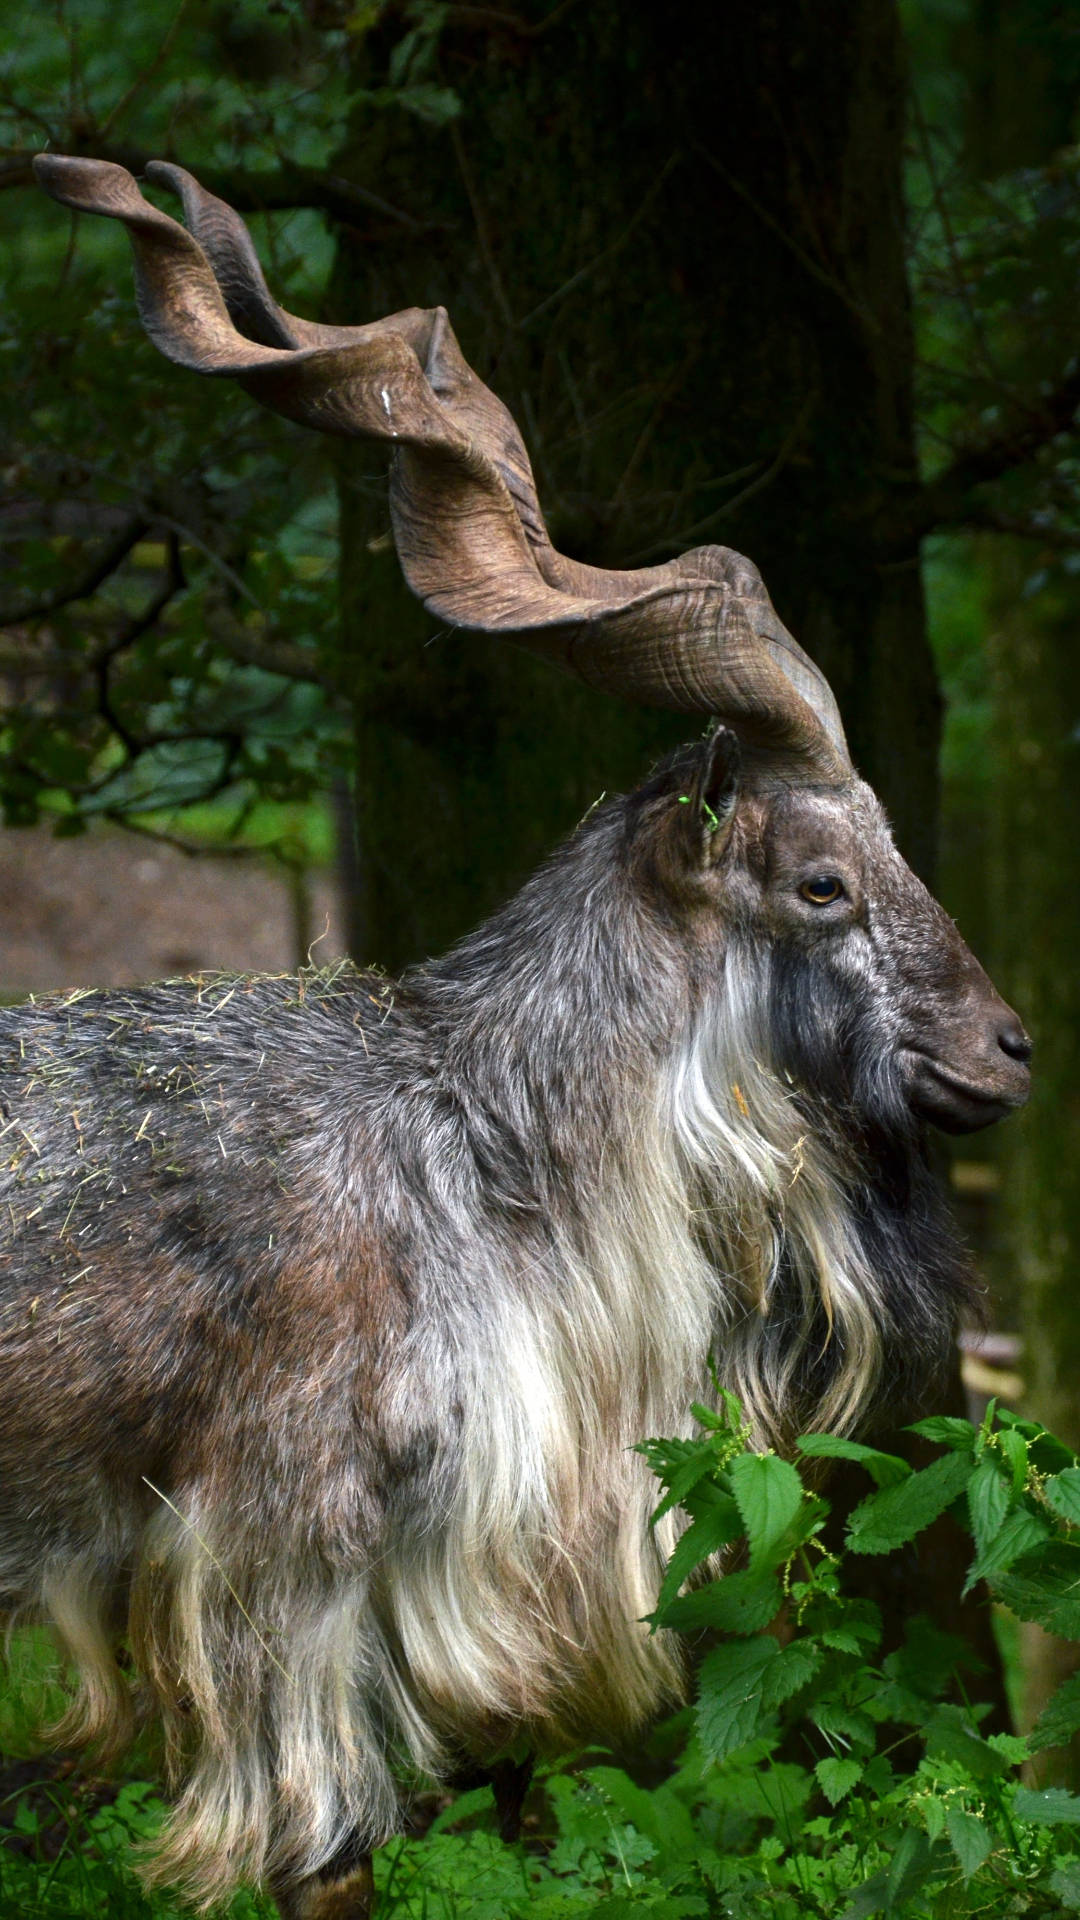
(814, 1777)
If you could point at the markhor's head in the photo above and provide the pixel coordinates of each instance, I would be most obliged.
(868, 998)
(764, 832)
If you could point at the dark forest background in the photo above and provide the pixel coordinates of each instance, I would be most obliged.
(798, 276)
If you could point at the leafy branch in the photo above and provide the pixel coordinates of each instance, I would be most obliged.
(952, 498)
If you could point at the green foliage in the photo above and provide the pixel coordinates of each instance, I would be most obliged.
(824, 1777)
(1059, 1719)
(67, 1852)
(818, 1776)
(171, 642)
(894, 1515)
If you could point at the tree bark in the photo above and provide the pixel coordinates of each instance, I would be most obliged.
(1021, 65)
(1035, 875)
(673, 241)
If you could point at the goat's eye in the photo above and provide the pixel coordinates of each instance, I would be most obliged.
(822, 889)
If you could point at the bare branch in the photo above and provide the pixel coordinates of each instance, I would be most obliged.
(142, 79)
(108, 559)
(755, 486)
(960, 281)
(947, 500)
(606, 253)
(271, 655)
(509, 22)
(483, 238)
(131, 631)
(41, 666)
(1059, 539)
(278, 657)
(192, 849)
(288, 187)
(22, 111)
(821, 274)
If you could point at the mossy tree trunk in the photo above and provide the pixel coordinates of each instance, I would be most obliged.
(672, 240)
(1035, 876)
(1021, 66)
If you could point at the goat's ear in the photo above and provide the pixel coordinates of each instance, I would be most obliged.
(707, 805)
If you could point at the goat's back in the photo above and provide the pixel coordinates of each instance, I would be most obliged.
(173, 1273)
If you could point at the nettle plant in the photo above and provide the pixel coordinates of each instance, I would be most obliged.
(819, 1778)
(867, 1781)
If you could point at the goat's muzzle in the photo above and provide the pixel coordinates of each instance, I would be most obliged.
(976, 1075)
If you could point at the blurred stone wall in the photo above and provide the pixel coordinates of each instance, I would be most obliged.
(112, 908)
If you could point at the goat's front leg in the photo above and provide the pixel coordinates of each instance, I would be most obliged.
(337, 1893)
(510, 1781)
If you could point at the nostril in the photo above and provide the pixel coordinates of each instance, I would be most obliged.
(1014, 1041)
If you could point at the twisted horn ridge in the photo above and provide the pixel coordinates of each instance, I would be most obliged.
(698, 634)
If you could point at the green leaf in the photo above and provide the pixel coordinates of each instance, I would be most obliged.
(1014, 1446)
(915, 1862)
(948, 1431)
(988, 1497)
(799, 1663)
(871, 1897)
(842, 1640)
(949, 1736)
(879, 1776)
(463, 1807)
(933, 1810)
(1049, 1454)
(711, 1530)
(726, 1418)
(971, 1839)
(885, 1469)
(731, 1701)
(1060, 1718)
(685, 1489)
(924, 1664)
(837, 1777)
(1062, 1493)
(1047, 1806)
(617, 1906)
(895, 1515)
(1045, 1586)
(769, 1494)
(660, 1815)
(436, 105)
(680, 1466)
(1022, 1532)
(861, 1623)
(742, 1602)
(842, 1722)
(1065, 1882)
